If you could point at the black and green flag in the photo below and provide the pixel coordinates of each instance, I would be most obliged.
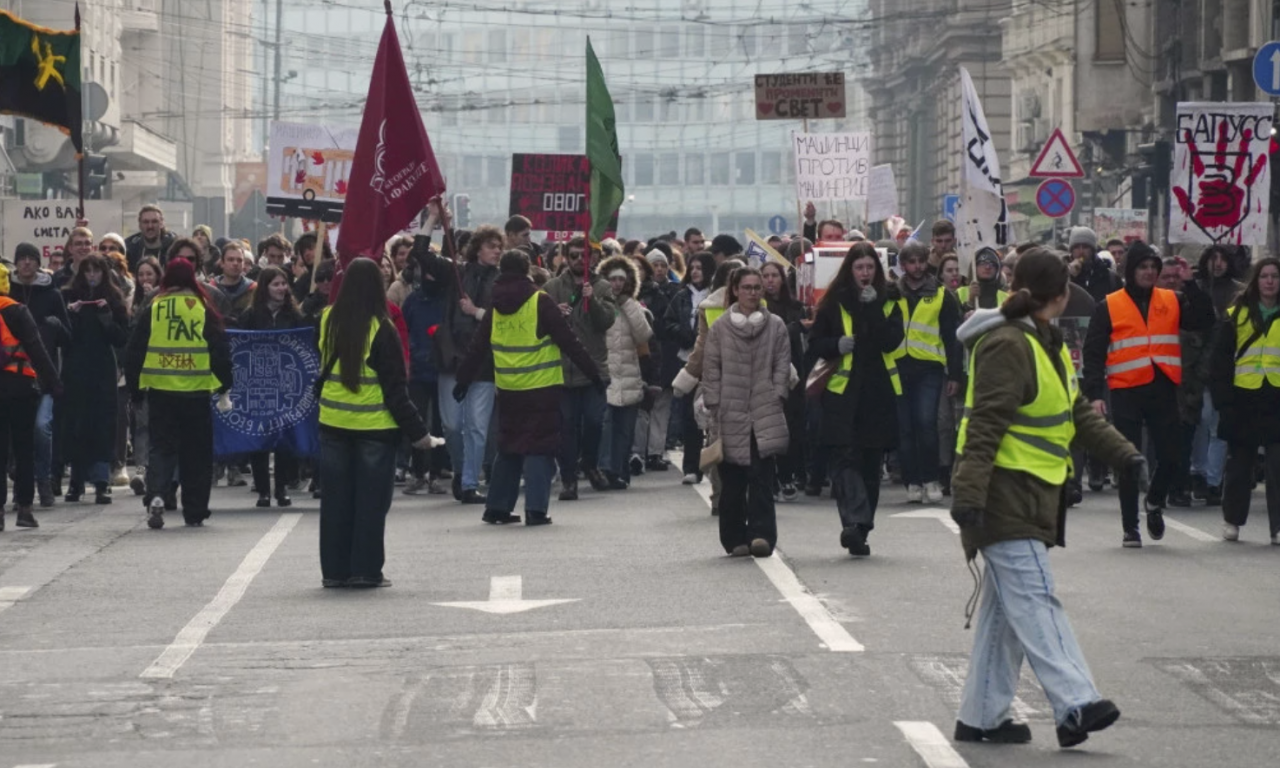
(40, 74)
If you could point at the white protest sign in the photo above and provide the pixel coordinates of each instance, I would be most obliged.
(882, 194)
(308, 167)
(47, 224)
(832, 166)
(1221, 180)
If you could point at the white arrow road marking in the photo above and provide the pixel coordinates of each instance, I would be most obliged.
(811, 609)
(941, 515)
(191, 637)
(929, 743)
(11, 595)
(505, 597)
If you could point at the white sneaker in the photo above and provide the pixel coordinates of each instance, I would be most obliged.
(155, 514)
(120, 478)
(690, 479)
(1232, 533)
(933, 493)
(915, 494)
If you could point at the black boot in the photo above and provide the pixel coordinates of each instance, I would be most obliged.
(536, 518)
(570, 491)
(74, 492)
(25, 517)
(102, 493)
(264, 500)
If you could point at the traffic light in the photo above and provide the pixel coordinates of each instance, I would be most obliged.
(462, 210)
(97, 182)
(1152, 177)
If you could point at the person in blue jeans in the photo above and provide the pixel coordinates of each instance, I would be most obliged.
(522, 339)
(1024, 409)
(929, 360)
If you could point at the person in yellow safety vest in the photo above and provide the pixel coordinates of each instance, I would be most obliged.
(929, 363)
(858, 326)
(1244, 380)
(25, 371)
(524, 338)
(1133, 354)
(986, 291)
(1023, 412)
(177, 356)
(364, 407)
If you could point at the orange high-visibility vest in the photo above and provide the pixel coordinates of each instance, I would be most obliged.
(1137, 346)
(19, 362)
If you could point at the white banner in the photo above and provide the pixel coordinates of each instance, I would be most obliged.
(47, 224)
(832, 166)
(981, 164)
(882, 194)
(982, 216)
(1221, 180)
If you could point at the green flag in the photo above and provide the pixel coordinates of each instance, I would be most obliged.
(602, 150)
(40, 74)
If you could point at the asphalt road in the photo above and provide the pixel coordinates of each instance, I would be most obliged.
(619, 636)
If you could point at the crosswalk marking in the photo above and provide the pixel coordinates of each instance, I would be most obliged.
(929, 743)
(1191, 531)
(11, 595)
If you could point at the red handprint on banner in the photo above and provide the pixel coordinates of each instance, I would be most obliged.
(1219, 192)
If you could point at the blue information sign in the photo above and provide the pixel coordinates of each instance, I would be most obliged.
(777, 225)
(1266, 68)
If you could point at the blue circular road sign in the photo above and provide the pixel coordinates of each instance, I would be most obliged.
(1266, 68)
(777, 225)
(1055, 198)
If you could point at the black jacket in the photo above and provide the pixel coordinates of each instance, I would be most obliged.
(135, 248)
(23, 327)
(457, 331)
(1098, 279)
(1246, 417)
(47, 309)
(386, 358)
(948, 322)
(215, 336)
(656, 297)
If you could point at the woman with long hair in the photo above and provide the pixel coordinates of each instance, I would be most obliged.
(1024, 410)
(273, 309)
(364, 405)
(777, 294)
(858, 326)
(99, 325)
(1244, 381)
(177, 356)
(146, 283)
(681, 323)
(746, 375)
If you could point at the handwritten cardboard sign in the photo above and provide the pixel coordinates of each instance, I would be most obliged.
(832, 166)
(800, 96)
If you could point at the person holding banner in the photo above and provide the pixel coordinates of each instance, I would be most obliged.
(858, 327)
(177, 356)
(364, 406)
(273, 309)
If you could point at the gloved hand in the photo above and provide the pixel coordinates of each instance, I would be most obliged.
(459, 392)
(224, 403)
(1135, 469)
(845, 345)
(967, 517)
(868, 294)
(428, 442)
(53, 322)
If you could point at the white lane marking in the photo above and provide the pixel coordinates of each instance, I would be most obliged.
(941, 515)
(1191, 531)
(37, 765)
(11, 595)
(815, 614)
(192, 636)
(929, 743)
(506, 596)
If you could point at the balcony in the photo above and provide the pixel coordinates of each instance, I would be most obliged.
(142, 149)
(140, 16)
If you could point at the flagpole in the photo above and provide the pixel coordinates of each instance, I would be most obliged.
(84, 136)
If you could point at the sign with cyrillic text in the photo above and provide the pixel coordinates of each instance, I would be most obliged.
(802, 96)
(832, 166)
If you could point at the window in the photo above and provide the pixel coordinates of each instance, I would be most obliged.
(569, 138)
(497, 45)
(745, 44)
(1109, 31)
(472, 171)
(644, 44)
(695, 41)
(644, 110)
(449, 110)
(695, 169)
(669, 170)
(617, 44)
(744, 167)
(643, 170)
(669, 43)
(473, 47)
(798, 43)
(621, 111)
(498, 175)
(668, 110)
(770, 167)
(720, 168)
(696, 111)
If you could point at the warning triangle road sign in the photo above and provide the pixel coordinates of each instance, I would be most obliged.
(1056, 160)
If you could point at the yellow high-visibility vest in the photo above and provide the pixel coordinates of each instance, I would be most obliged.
(924, 334)
(1038, 441)
(839, 380)
(962, 293)
(364, 410)
(177, 357)
(1261, 360)
(522, 360)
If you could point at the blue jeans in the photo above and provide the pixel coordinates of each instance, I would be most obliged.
(44, 438)
(359, 478)
(504, 487)
(622, 433)
(1020, 616)
(581, 421)
(918, 423)
(1208, 453)
(466, 426)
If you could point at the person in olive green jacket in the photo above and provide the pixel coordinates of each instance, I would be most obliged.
(1022, 411)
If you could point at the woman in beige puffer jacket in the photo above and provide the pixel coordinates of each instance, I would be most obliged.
(628, 342)
(746, 374)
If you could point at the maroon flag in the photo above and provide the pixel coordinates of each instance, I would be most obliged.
(394, 172)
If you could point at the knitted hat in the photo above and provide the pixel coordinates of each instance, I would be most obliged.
(26, 251)
(987, 256)
(655, 256)
(1083, 236)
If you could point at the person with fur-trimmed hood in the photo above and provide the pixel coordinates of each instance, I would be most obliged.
(628, 344)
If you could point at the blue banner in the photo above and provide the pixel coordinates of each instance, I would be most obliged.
(274, 403)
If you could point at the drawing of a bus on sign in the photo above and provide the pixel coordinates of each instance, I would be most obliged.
(312, 183)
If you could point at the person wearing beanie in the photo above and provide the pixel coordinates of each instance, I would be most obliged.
(1133, 356)
(724, 247)
(1088, 271)
(34, 289)
(988, 291)
(26, 371)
